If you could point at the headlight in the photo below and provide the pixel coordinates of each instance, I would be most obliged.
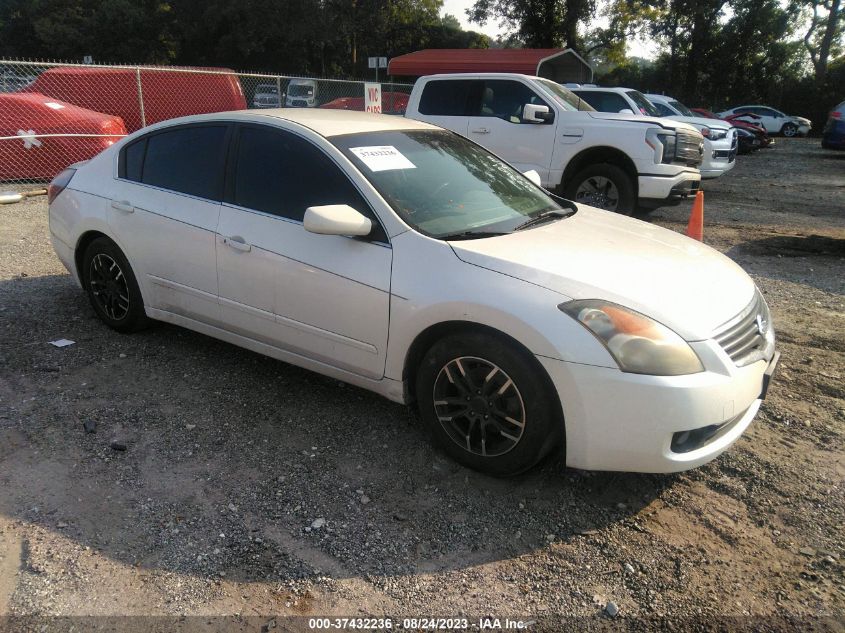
(663, 144)
(638, 344)
(715, 135)
(705, 131)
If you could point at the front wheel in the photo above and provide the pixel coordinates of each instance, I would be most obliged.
(487, 404)
(789, 130)
(604, 186)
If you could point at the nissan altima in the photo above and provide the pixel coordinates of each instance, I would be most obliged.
(403, 258)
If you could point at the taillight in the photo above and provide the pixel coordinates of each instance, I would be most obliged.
(836, 114)
(58, 184)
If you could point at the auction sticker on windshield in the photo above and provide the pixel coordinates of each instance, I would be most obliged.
(382, 158)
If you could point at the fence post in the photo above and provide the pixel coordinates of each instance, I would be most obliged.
(279, 91)
(140, 97)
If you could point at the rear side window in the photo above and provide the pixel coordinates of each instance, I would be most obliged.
(605, 101)
(664, 110)
(445, 98)
(132, 160)
(281, 173)
(187, 160)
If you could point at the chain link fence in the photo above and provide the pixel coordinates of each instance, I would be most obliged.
(54, 114)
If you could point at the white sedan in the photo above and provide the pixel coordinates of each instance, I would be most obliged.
(775, 121)
(405, 259)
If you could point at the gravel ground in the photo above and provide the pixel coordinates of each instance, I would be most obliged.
(255, 490)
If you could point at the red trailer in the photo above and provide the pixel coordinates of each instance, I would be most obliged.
(167, 93)
(40, 135)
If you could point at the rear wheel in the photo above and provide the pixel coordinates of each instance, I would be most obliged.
(789, 130)
(486, 405)
(604, 186)
(111, 286)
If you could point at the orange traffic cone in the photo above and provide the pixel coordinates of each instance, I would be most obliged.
(695, 228)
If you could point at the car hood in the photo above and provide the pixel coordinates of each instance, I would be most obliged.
(637, 118)
(716, 124)
(596, 254)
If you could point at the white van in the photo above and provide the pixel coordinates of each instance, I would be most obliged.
(302, 93)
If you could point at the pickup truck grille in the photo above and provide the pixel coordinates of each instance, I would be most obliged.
(689, 149)
(744, 337)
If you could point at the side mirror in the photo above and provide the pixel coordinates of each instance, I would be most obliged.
(626, 111)
(533, 176)
(336, 219)
(537, 113)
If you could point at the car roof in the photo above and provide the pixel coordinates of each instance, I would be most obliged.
(605, 88)
(325, 122)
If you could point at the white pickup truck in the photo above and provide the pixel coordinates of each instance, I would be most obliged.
(618, 162)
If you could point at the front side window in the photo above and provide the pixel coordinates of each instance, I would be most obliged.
(445, 98)
(504, 99)
(443, 185)
(604, 101)
(281, 173)
(187, 159)
(663, 110)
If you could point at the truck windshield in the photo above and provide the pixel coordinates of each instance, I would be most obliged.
(646, 107)
(445, 186)
(680, 107)
(567, 99)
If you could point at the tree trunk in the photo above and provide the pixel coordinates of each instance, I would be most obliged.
(827, 40)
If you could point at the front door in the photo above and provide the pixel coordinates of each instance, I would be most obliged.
(323, 297)
(496, 123)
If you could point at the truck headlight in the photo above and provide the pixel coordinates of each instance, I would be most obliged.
(638, 344)
(663, 143)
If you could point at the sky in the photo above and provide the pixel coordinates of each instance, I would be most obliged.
(638, 48)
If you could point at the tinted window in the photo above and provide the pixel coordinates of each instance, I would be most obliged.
(188, 160)
(646, 107)
(280, 173)
(605, 101)
(445, 98)
(132, 162)
(504, 99)
(663, 110)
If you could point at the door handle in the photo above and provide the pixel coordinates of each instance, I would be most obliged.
(238, 243)
(122, 206)
(480, 130)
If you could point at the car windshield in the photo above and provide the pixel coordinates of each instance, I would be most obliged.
(267, 89)
(300, 90)
(646, 107)
(443, 185)
(567, 99)
(680, 107)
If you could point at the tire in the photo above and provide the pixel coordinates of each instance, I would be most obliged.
(789, 130)
(111, 286)
(501, 375)
(590, 186)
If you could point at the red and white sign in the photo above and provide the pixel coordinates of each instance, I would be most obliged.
(372, 98)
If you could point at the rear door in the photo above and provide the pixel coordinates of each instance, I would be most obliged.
(325, 297)
(496, 123)
(445, 102)
(164, 209)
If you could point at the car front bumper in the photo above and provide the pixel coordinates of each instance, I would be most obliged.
(631, 422)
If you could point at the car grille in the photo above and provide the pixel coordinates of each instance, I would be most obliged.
(689, 149)
(744, 337)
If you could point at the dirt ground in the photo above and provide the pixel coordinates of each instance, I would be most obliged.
(230, 459)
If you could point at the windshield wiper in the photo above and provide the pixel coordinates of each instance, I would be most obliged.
(470, 235)
(545, 216)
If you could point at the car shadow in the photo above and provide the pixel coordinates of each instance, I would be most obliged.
(210, 460)
(824, 255)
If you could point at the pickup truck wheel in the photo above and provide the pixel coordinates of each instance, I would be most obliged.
(789, 130)
(603, 186)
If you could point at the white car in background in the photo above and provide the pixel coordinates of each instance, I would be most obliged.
(775, 121)
(720, 138)
(405, 259)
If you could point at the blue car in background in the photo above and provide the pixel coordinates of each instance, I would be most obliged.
(833, 135)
